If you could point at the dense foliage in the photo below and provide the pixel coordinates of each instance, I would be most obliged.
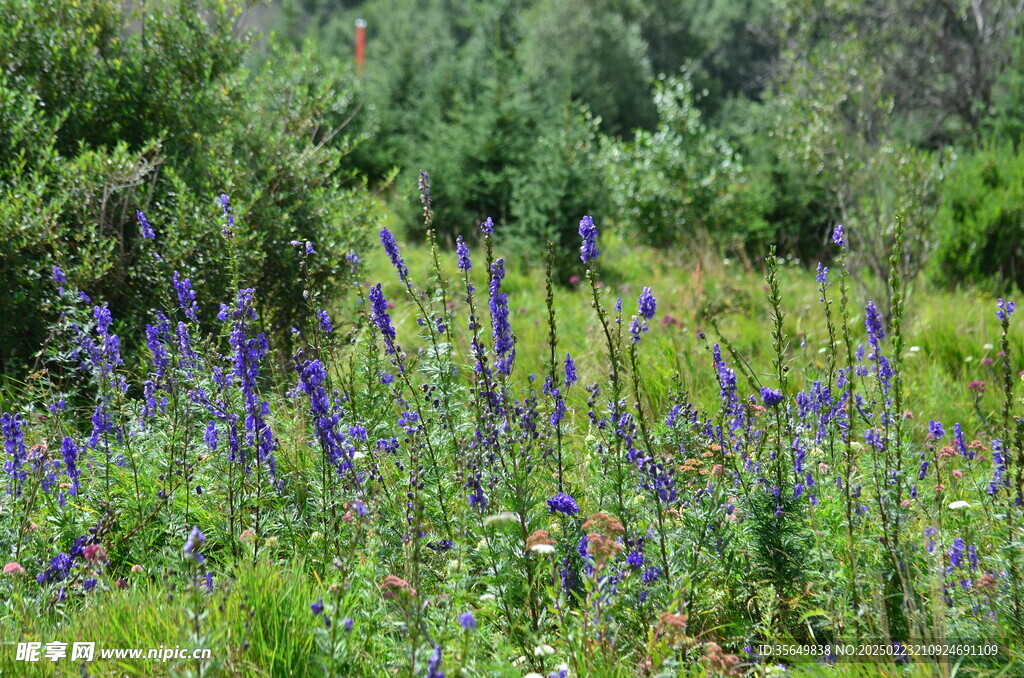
(796, 115)
(511, 446)
(106, 112)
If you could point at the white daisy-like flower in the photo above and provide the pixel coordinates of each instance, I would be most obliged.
(959, 505)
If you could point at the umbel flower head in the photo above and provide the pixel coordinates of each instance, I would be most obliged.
(392, 586)
(540, 542)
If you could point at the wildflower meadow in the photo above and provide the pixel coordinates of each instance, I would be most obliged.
(464, 467)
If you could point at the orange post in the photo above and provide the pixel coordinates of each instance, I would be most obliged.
(360, 45)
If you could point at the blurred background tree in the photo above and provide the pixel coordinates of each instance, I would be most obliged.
(732, 124)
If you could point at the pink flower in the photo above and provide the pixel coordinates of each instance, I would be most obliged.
(94, 553)
(138, 568)
(905, 503)
(574, 279)
(958, 474)
(13, 568)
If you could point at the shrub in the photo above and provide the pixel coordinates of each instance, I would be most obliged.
(682, 179)
(980, 227)
(101, 119)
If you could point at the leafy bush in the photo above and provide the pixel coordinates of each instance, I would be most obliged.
(101, 119)
(980, 227)
(682, 179)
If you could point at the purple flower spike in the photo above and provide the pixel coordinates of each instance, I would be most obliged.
(839, 237)
(588, 232)
(147, 230)
(463, 252)
(648, 304)
(770, 397)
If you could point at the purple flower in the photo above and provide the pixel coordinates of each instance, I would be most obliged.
(58, 569)
(147, 230)
(89, 584)
(347, 623)
(467, 621)
(873, 323)
(636, 328)
(504, 339)
(822, 274)
(325, 321)
(14, 445)
(434, 664)
(999, 466)
(935, 429)
(838, 236)
(312, 380)
(487, 227)
(651, 575)
(379, 309)
(391, 247)
(647, 303)
(210, 437)
(70, 453)
(588, 232)
(563, 503)
(570, 371)
(318, 607)
(424, 185)
(194, 541)
(304, 245)
(1004, 310)
(186, 297)
(229, 218)
(956, 553)
(249, 351)
(58, 276)
(463, 253)
(961, 442)
(635, 560)
(771, 397)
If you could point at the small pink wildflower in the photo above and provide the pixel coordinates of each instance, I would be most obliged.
(13, 568)
(94, 553)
